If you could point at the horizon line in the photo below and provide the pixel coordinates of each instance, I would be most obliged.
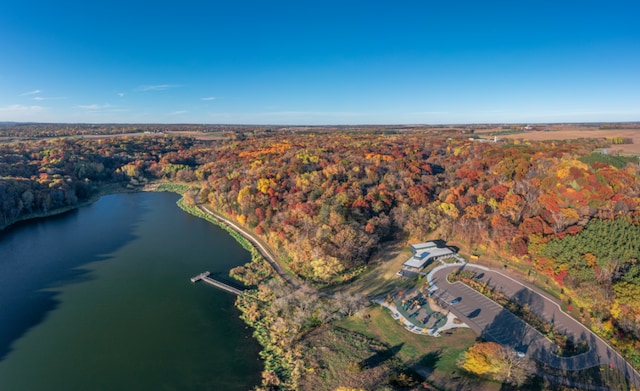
(5, 123)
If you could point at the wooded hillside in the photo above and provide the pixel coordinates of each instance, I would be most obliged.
(325, 201)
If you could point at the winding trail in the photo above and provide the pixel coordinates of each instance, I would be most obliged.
(264, 250)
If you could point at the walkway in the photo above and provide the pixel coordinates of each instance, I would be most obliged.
(205, 277)
(257, 243)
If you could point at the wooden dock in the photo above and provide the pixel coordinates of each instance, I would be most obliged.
(205, 277)
(200, 276)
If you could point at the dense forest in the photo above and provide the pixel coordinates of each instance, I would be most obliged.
(39, 177)
(325, 201)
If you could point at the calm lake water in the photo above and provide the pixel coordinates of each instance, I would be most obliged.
(100, 299)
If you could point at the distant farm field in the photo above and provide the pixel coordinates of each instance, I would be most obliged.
(576, 133)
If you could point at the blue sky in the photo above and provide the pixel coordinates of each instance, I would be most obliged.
(319, 62)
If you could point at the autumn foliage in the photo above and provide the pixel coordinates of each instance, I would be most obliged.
(325, 201)
(39, 177)
(497, 362)
(328, 200)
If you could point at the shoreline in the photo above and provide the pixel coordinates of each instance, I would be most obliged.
(248, 241)
(102, 191)
(108, 236)
(59, 211)
(254, 242)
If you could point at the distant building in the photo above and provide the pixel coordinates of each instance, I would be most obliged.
(424, 254)
(495, 139)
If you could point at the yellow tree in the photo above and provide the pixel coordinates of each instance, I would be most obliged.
(480, 359)
(497, 362)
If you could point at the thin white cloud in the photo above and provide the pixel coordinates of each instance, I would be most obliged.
(312, 113)
(157, 87)
(121, 94)
(20, 108)
(178, 112)
(34, 92)
(27, 113)
(208, 98)
(94, 107)
(429, 113)
(41, 98)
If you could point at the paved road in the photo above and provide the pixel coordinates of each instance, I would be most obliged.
(493, 322)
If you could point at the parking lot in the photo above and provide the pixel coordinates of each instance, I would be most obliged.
(493, 322)
(487, 318)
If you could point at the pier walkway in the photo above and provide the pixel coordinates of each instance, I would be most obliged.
(205, 277)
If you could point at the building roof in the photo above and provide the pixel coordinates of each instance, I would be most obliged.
(423, 246)
(420, 259)
(438, 252)
(415, 262)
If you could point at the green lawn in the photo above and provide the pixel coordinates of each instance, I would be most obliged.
(435, 358)
(337, 357)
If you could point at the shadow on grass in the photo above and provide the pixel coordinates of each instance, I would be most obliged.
(388, 256)
(380, 357)
(428, 362)
(533, 384)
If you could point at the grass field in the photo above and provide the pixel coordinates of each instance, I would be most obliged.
(575, 131)
(434, 358)
(380, 277)
(337, 357)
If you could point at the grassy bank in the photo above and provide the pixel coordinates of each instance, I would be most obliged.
(336, 357)
(195, 211)
(179, 188)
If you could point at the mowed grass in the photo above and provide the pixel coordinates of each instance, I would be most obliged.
(434, 358)
(382, 327)
(380, 277)
(337, 357)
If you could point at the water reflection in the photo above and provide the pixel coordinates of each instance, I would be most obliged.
(39, 255)
(101, 299)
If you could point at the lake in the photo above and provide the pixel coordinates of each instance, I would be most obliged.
(99, 298)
